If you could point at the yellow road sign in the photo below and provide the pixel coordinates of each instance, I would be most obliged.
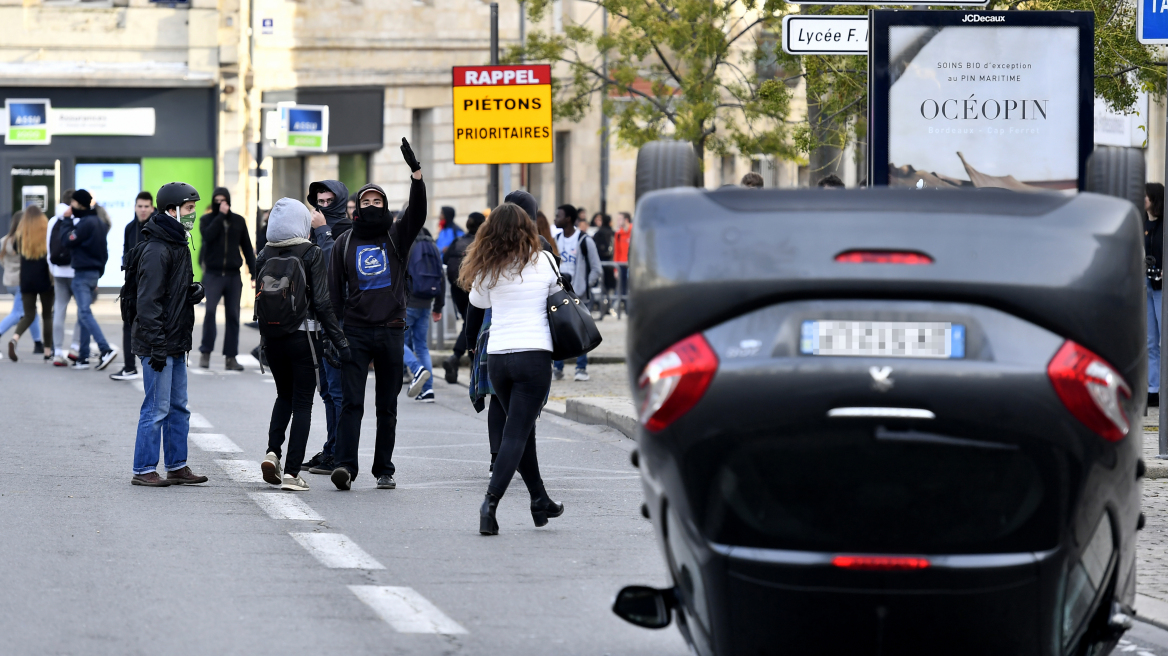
(503, 114)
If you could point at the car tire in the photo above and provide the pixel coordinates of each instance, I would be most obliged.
(1117, 171)
(667, 164)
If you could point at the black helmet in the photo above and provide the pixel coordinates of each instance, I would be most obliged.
(174, 194)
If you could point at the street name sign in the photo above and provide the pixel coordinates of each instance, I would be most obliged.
(825, 35)
(1152, 22)
(303, 127)
(503, 114)
(26, 122)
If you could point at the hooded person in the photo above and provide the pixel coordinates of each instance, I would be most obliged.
(226, 246)
(367, 273)
(448, 230)
(293, 356)
(89, 254)
(330, 219)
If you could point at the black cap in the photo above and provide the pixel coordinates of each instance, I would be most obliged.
(83, 197)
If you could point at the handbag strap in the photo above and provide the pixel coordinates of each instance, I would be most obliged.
(552, 261)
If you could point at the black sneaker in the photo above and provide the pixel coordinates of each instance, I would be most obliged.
(386, 482)
(341, 478)
(126, 374)
(451, 367)
(313, 461)
(106, 358)
(325, 466)
(425, 397)
(38, 348)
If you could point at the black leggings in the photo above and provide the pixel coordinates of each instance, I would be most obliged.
(521, 382)
(295, 375)
(496, 420)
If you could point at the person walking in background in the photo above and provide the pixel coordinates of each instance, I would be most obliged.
(330, 220)
(1154, 252)
(368, 291)
(164, 325)
(603, 236)
(89, 253)
(293, 347)
(143, 209)
(225, 238)
(452, 258)
(507, 271)
(35, 280)
(620, 254)
(448, 230)
(580, 259)
(10, 257)
(427, 292)
(60, 257)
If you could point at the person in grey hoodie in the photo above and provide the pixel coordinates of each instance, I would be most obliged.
(581, 260)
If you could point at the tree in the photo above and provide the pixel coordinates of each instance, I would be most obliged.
(687, 68)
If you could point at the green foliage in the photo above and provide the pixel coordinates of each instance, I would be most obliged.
(690, 69)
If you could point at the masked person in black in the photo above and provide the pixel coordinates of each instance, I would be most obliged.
(226, 246)
(329, 199)
(368, 289)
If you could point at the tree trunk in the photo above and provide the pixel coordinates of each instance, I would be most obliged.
(824, 160)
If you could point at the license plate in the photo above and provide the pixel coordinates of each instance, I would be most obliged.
(883, 339)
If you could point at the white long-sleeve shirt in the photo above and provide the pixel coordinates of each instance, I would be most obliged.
(57, 271)
(518, 303)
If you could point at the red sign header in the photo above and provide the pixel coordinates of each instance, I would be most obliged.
(497, 76)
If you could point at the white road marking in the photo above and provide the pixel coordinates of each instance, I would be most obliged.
(284, 506)
(336, 550)
(242, 471)
(199, 421)
(247, 360)
(406, 610)
(215, 442)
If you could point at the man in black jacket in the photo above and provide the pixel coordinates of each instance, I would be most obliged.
(165, 305)
(368, 290)
(143, 210)
(224, 238)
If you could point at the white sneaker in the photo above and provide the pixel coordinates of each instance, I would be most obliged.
(294, 483)
(271, 468)
(420, 379)
(557, 374)
(581, 376)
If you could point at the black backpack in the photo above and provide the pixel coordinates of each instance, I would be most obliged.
(425, 269)
(59, 252)
(128, 297)
(281, 304)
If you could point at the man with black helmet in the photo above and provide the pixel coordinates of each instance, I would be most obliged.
(165, 319)
(368, 291)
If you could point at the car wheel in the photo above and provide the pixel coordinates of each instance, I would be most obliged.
(1117, 171)
(667, 164)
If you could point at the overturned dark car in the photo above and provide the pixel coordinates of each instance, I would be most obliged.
(889, 421)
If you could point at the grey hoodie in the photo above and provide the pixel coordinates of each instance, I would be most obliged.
(288, 223)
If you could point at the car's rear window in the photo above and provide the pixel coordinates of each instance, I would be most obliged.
(851, 491)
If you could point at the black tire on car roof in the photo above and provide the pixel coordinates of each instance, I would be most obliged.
(667, 164)
(1117, 171)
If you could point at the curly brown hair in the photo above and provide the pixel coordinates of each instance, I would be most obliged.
(506, 243)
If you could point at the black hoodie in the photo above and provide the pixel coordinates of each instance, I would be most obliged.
(337, 221)
(224, 236)
(165, 319)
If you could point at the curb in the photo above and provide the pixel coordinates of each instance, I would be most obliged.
(614, 412)
(1152, 610)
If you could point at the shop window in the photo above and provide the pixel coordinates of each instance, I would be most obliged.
(353, 170)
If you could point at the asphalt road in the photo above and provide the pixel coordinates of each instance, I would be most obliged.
(93, 565)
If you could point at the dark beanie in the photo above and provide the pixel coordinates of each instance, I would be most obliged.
(448, 213)
(524, 200)
(474, 222)
(83, 197)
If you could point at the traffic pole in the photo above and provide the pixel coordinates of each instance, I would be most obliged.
(493, 169)
(1163, 317)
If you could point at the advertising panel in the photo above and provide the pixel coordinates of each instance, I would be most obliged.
(303, 127)
(114, 187)
(27, 122)
(983, 99)
(503, 114)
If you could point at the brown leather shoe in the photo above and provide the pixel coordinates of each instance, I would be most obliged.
(150, 479)
(184, 476)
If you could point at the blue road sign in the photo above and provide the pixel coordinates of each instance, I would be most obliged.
(1152, 27)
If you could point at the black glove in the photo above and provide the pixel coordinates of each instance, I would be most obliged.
(329, 353)
(408, 153)
(196, 293)
(346, 355)
(157, 363)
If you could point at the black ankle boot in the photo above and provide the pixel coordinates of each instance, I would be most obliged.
(543, 507)
(487, 523)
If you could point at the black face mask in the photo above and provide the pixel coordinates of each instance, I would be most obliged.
(372, 221)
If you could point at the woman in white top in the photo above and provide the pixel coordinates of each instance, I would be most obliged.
(506, 270)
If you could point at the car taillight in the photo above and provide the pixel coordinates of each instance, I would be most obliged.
(1090, 389)
(883, 257)
(880, 563)
(675, 380)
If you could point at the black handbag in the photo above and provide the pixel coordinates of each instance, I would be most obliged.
(574, 332)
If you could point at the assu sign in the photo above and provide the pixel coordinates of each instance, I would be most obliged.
(503, 114)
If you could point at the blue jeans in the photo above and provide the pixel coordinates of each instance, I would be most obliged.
(17, 314)
(581, 363)
(417, 353)
(1155, 306)
(84, 288)
(164, 410)
(330, 393)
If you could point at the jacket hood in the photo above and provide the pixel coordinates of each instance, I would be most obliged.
(166, 228)
(335, 211)
(220, 191)
(361, 191)
(289, 219)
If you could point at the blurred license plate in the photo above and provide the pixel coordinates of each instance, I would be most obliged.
(883, 339)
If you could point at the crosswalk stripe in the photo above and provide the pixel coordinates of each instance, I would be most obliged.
(216, 442)
(336, 550)
(199, 421)
(242, 471)
(406, 610)
(284, 506)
